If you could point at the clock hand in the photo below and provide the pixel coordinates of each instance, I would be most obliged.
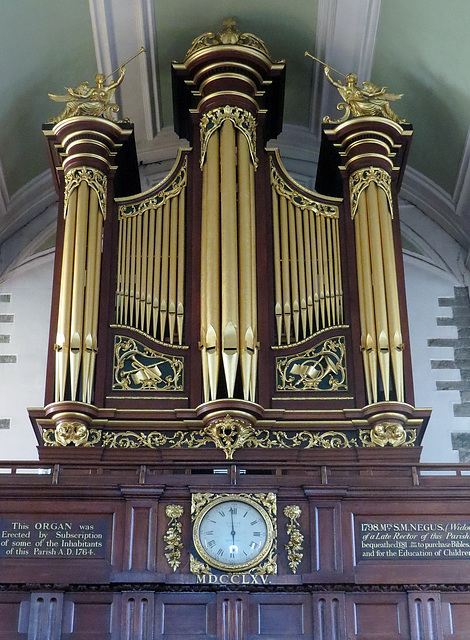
(233, 531)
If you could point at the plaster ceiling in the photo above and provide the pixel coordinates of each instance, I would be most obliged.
(415, 47)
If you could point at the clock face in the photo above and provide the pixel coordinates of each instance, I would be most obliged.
(233, 534)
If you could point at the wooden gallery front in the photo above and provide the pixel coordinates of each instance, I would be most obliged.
(229, 446)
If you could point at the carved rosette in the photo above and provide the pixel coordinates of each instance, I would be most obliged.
(361, 179)
(294, 546)
(241, 119)
(172, 537)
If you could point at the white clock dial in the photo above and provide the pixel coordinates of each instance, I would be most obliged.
(233, 534)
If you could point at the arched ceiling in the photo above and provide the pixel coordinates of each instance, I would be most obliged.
(415, 47)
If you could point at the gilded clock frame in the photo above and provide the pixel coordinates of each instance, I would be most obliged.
(213, 500)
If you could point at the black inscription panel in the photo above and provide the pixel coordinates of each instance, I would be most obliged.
(412, 540)
(46, 538)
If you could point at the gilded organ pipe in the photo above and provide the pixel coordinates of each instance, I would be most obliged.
(254, 289)
(247, 336)
(307, 267)
(78, 284)
(62, 342)
(77, 324)
(151, 262)
(378, 290)
(229, 261)
(211, 244)
(391, 286)
(228, 295)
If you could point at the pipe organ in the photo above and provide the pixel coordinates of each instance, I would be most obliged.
(229, 289)
(229, 446)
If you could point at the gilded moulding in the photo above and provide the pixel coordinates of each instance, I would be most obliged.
(139, 368)
(241, 119)
(294, 546)
(362, 178)
(388, 433)
(95, 179)
(71, 432)
(299, 200)
(159, 198)
(322, 368)
(228, 35)
(172, 537)
(250, 438)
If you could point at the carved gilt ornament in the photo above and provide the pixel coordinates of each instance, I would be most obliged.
(362, 178)
(241, 119)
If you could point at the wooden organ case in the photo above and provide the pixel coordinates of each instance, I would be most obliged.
(229, 446)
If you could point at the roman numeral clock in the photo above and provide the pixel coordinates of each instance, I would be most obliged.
(234, 533)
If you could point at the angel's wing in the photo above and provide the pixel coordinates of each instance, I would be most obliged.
(371, 90)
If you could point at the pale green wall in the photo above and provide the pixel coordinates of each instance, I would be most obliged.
(44, 45)
(420, 51)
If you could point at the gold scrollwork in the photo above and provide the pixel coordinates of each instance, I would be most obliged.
(299, 200)
(362, 178)
(157, 199)
(139, 368)
(94, 178)
(172, 537)
(228, 35)
(294, 546)
(388, 433)
(241, 119)
(252, 438)
(322, 368)
(71, 432)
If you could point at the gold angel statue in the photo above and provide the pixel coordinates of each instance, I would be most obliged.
(370, 100)
(84, 100)
(89, 101)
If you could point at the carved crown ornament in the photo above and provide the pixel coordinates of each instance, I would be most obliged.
(229, 35)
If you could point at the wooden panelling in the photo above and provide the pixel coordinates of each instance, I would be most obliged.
(425, 616)
(280, 616)
(14, 615)
(191, 617)
(329, 621)
(377, 617)
(90, 616)
(137, 616)
(455, 616)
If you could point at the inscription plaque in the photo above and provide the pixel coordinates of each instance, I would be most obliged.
(414, 540)
(47, 538)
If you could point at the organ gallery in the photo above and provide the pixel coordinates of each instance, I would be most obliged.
(229, 442)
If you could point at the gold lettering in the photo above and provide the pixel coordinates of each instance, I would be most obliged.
(264, 579)
(232, 579)
(212, 578)
(201, 579)
(254, 580)
(243, 579)
(225, 580)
